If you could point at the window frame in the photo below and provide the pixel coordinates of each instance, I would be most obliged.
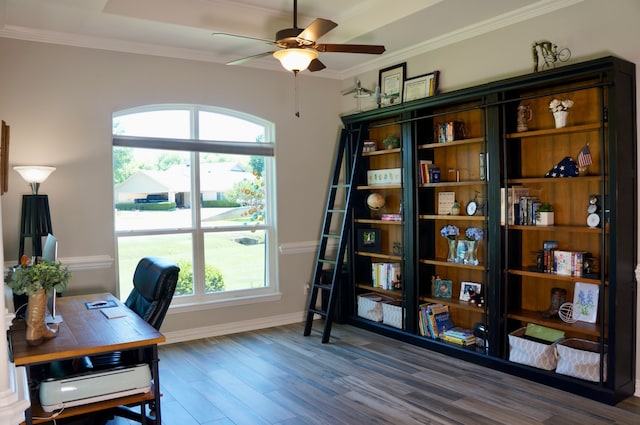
(194, 147)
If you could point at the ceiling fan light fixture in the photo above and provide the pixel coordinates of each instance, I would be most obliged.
(295, 60)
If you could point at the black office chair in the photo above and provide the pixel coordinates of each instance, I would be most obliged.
(154, 283)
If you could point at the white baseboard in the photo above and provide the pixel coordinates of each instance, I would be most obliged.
(231, 328)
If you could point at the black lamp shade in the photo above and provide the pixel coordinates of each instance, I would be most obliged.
(35, 222)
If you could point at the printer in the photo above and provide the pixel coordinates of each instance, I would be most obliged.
(91, 387)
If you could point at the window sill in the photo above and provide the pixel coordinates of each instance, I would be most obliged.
(201, 305)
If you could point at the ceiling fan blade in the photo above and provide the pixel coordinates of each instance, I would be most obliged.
(350, 48)
(316, 65)
(250, 58)
(228, 34)
(317, 29)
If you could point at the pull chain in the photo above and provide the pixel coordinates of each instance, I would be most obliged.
(295, 93)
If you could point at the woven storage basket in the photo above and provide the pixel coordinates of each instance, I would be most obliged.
(581, 359)
(531, 353)
(392, 313)
(370, 306)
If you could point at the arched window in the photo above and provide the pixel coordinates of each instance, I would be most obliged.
(195, 184)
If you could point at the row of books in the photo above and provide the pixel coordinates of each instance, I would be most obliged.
(562, 262)
(510, 204)
(386, 275)
(434, 321)
(429, 172)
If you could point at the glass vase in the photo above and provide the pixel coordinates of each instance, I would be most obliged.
(472, 253)
(451, 256)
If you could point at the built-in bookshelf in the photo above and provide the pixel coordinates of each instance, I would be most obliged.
(462, 157)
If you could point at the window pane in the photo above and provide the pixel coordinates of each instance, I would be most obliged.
(230, 129)
(234, 260)
(176, 247)
(172, 124)
(233, 191)
(152, 189)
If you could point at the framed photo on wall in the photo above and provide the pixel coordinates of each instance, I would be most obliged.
(391, 82)
(422, 86)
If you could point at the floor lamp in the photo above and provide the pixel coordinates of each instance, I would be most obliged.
(35, 220)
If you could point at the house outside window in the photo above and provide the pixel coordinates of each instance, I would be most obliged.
(194, 184)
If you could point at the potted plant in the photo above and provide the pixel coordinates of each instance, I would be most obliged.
(544, 215)
(38, 282)
(391, 142)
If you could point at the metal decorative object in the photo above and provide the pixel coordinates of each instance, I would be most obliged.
(546, 54)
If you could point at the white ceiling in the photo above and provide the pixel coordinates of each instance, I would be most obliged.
(184, 28)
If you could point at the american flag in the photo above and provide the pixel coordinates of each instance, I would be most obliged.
(584, 157)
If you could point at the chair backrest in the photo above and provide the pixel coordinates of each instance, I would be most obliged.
(154, 283)
(50, 250)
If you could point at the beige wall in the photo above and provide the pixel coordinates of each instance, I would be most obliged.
(58, 101)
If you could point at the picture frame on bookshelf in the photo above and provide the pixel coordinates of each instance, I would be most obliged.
(585, 302)
(422, 86)
(442, 288)
(468, 290)
(369, 240)
(391, 83)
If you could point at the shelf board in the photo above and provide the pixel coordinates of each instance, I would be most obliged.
(531, 316)
(390, 293)
(554, 131)
(379, 255)
(376, 221)
(454, 143)
(444, 262)
(455, 303)
(553, 276)
(378, 187)
(452, 183)
(451, 217)
(382, 152)
(580, 179)
(571, 229)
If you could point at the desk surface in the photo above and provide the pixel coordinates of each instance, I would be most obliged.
(84, 332)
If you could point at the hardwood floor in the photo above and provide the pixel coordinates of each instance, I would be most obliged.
(278, 376)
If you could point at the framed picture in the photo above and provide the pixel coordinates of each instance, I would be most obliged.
(468, 290)
(422, 86)
(4, 159)
(369, 240)
(585, 302)
(391, 82)
(442, 288)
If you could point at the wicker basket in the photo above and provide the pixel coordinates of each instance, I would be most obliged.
(370, 305)
(531, 353)
(392, 313)
(581, 359)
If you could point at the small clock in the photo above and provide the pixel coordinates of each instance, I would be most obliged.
(593, 220)
(472, 207)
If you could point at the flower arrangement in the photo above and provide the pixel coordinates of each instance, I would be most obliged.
(450, 231)
(557, 105)
(474, 234)
(47, 275)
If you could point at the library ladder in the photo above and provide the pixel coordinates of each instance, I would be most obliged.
(336, 228)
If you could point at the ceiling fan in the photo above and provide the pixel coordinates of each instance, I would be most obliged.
(299, 49)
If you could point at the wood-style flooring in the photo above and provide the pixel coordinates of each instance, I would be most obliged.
(278, 376)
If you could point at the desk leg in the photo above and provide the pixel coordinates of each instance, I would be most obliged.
(156, 385)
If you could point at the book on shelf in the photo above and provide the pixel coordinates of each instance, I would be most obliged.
(459, 335)
(440, 321)
(548, 260)
(458, 341)
(391, 217)
(386, 275)
(510, 203)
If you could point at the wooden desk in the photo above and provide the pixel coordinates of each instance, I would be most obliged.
(87, 332)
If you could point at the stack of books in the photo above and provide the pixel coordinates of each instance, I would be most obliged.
(459, 336)
(434, 320)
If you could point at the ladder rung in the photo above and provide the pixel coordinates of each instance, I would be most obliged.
(323, 286)
(331, 235)
(320, 312)
(337, 211)
(325, 261)
(341, 185)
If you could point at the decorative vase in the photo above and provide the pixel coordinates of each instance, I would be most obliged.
(37, 329)
(461, 251)
(544, 218)
(472, 253)
(525, 114)
(451, 257)
(561, 118)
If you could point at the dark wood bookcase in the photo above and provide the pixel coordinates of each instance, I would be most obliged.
(472, 136)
